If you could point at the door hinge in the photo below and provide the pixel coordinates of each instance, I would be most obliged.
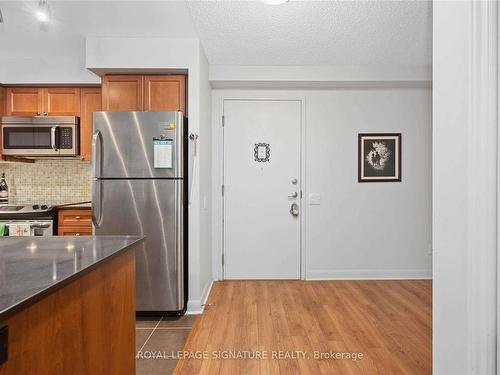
(222, 190)
(223, 121)
(223, 259)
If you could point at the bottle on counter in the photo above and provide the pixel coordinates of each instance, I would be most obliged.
(4, 190)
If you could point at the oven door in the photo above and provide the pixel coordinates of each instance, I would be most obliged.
(40, 140)
(36, 228)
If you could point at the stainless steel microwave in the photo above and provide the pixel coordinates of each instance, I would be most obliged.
(41, 136)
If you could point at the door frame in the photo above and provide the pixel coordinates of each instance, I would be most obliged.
(218, 99)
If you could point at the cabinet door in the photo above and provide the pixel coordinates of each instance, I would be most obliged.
(91, 102)
(165, 93)
(122, 93)
(74, 231)
(24, 101)
(61, 101)
(3, 100)
(75, 217)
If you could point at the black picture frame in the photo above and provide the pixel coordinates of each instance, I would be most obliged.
(379, 157)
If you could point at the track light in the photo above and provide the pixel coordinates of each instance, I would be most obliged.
(43, 11)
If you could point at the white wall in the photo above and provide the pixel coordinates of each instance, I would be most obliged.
(310, 77)
(361, 230)
(205, 150)
(451, 113)
(465, 187)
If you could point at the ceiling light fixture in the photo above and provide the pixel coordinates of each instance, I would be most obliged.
(275, 2)
(43, 11)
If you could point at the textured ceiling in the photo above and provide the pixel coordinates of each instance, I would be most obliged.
(392, 33)
(315, 32)
(119, 18)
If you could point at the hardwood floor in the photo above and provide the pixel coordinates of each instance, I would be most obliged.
(388, 323)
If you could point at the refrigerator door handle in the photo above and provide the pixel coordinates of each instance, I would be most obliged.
(97, 153)
(97, 193)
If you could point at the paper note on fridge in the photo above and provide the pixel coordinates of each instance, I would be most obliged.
(162, 149)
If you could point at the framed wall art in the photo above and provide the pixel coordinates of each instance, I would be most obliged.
(379, 157)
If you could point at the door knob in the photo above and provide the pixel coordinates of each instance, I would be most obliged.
(294, 209)
(293, 195)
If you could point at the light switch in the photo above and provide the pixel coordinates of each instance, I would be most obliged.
(314, 199)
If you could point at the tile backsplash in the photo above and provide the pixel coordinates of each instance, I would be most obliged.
(48, 181)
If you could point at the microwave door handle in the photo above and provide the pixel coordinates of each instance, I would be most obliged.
(53, 140)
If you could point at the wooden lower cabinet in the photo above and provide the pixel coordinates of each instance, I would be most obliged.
(85, 328)
(74, 231)
(74, 222)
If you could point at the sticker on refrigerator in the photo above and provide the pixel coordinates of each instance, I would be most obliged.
(162, 153)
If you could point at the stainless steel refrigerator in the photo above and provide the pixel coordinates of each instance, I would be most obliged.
(139, 187)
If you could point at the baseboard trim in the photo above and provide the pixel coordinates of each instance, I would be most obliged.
(368, 274)
(196, 307)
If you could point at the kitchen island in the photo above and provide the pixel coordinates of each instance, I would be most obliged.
(67, 305)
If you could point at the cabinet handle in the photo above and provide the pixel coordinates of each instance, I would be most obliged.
(77, 234)
(77, 217)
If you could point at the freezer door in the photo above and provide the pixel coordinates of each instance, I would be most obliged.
(153, 208)
(138, 144)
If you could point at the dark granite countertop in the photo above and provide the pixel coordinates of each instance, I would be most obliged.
(75, 206)
(32, 267)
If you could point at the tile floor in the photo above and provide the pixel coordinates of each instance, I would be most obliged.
(156, 339)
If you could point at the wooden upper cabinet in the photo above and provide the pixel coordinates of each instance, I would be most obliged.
(165, 93)
(61, 101)
(3, 100)
(91, 101)
(122, 93)
(52, 101)
(24, 101)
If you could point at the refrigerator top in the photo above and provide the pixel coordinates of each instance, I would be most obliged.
(138, 145)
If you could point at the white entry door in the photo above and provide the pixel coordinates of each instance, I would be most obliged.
(262, 189)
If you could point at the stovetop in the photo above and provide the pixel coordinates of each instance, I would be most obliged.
(14, 209)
